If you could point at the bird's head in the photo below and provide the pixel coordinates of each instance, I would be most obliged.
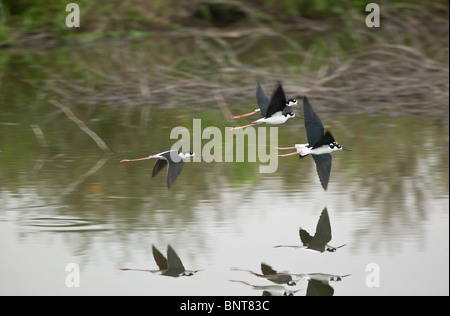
(336, 146)
(288, 112)
(185, 155)
(291, 102)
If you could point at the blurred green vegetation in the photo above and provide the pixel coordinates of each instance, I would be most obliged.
(139, 18)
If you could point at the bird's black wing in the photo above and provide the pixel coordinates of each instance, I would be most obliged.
(159, 165)
(176, 164)
(173, 172)
(263, 100)
(313, 124)
(323, 167)
(305, 237)
(277, 102)
(326, 139)
(267, 270)
(161, 261)
(174, 262)
(323, 232)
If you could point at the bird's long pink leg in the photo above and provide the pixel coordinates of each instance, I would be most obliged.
(245, 126)
(139, 159)
(283, 148)
(290, 154)
(245, 115)
(279, 246)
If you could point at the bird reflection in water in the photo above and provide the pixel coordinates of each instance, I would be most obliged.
(272, 275)
(319, 283)
(270, 290)
(172, 266)
(318, 242)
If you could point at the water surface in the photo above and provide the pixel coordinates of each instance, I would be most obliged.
(63, 200)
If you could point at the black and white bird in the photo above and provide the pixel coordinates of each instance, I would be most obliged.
(279, 110)
(172, 266)
(320, 145)
(173, 158)
(272, 275)
(318, 242)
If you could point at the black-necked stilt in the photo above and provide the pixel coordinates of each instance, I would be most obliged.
(272, 275)
(318, 242)
(272, 287)
(175, 160)
(172, 266)
(279, 110)
(263, 103)
(320, 145)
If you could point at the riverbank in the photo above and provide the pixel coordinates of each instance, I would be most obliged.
(399, 68)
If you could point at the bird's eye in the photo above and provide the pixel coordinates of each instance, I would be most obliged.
(339, 146)
(191, 153)
(331, 146)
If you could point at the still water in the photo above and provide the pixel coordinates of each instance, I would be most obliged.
(64, 201)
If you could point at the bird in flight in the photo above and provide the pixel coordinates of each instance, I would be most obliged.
(173, 158)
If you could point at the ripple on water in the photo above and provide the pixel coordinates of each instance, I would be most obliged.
(64, 224)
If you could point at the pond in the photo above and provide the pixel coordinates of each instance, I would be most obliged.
(68, 204)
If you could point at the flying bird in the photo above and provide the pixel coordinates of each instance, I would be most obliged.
(173, 158)
(279, 110)
(320, 144)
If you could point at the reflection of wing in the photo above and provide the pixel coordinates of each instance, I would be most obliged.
(318, 288)
(161, 261)
(305, 237)
(159, 165)
(267, 270)
(263, 100)
(174, 262)
(323, 167)
(323, 233)
(277, 102)
(313, 125)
